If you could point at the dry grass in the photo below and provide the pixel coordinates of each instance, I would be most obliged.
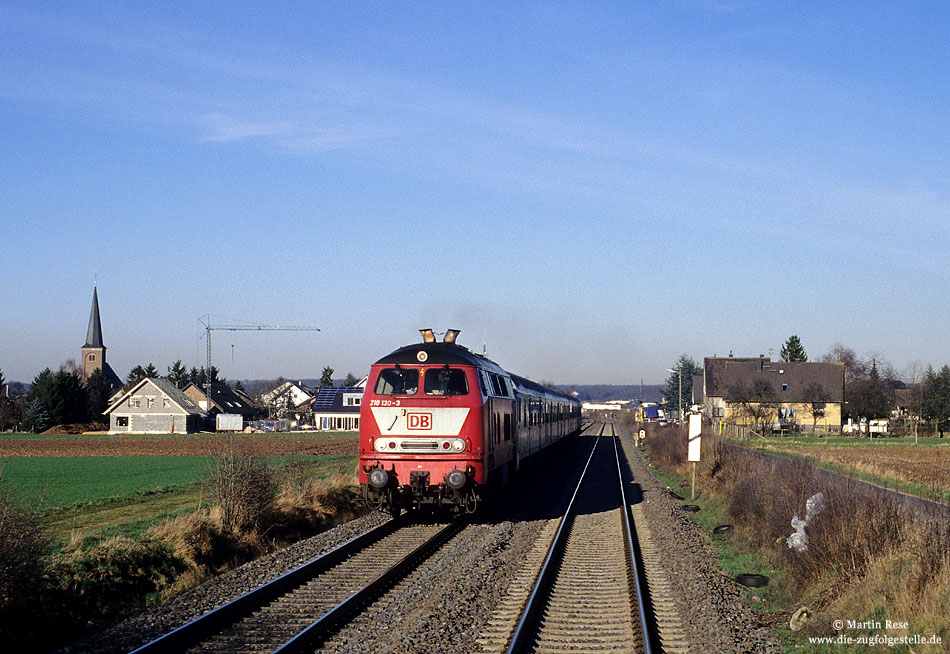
(209, 543)
(928, 467)
(865, 555)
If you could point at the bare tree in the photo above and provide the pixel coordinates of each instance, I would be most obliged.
(814, 398)
(756, 401)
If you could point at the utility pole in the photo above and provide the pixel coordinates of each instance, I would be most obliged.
(206, 321)
(680, 371)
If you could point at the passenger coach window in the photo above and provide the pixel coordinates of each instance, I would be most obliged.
(396, 381)
(445, 381)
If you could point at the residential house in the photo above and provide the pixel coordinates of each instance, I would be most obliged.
(221, 400)
(283, 400)
(334, 408)
(154, 406)
(785, 394)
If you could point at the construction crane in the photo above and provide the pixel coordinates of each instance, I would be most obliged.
(206, 322)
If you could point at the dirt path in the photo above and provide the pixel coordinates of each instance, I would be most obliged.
(249, 445)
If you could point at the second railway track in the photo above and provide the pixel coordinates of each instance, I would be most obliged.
(299, 610)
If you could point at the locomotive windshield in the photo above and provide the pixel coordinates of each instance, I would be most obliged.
(397, 381)
(445, 381)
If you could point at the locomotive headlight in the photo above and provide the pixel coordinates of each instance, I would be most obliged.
(456, 479)
(458, 444)
(378, 478)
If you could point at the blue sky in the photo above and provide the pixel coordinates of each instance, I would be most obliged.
(589, 190)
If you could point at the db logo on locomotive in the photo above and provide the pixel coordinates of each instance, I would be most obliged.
(419, 421)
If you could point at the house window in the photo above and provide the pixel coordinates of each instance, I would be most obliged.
(121, 421)
(150, 402)
(134, 402)
(166, 403)
(784, 387)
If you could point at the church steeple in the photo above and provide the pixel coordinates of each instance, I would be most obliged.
(94, 333)
(94, 352)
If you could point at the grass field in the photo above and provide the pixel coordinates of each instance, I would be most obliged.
(921, 469)
(29, 436)
(55, 482)
(105, 496)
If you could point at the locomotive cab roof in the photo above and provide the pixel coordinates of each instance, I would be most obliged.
(438, 354)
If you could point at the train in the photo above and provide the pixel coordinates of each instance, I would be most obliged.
(441, 427)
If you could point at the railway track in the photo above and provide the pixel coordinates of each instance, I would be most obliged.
(587, 596)
(296, 612)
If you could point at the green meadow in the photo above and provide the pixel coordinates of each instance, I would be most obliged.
(104, 496)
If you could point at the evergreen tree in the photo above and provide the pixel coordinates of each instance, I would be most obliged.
(151, 371)
(350, 380)
(136, 375)
(178, 375)
(936, 400)
(37, 418)
(6, 406)
(98, 389)
(686, 367)
(214, 375)
(326, 377)
(868, 398)
(793, 350)
(197, 377)
(41, 388)
(68, 399)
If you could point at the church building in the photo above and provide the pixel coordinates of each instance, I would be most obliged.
(94, 352)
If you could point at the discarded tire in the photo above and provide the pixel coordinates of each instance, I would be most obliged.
(755, 581)
(692, 508)
(722, 529)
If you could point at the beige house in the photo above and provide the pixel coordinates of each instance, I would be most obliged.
(757, 391)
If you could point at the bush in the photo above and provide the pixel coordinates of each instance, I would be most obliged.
(244, 488)
(112, 579)
(23, 544)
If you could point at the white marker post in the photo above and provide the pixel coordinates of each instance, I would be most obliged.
(692, 453)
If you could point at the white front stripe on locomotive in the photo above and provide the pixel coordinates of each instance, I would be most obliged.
(420, 421)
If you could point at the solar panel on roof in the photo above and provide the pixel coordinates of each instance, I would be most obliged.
(324, 399)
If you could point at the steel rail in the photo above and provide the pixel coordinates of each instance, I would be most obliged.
(521, 639)
(307, 639)
(192, 633)
(649, 635)
(535, 600)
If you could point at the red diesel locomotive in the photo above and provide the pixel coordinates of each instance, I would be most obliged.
(441, 425)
